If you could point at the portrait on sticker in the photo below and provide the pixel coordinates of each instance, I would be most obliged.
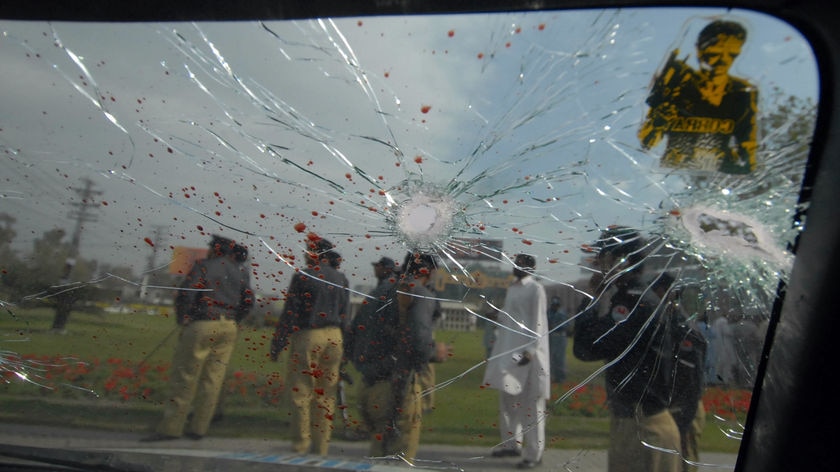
(700, 116)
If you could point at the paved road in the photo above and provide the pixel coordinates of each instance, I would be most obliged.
(123, 451)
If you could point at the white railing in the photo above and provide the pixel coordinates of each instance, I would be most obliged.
(455, 316)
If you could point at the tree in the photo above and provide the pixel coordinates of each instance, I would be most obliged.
(7, 234)
(8, 259)
(789, 123)
(786, 127)
(45, 276)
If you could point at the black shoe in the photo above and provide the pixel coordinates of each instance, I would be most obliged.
(194, 437)
(526, 464)
(506, 453)
(158, 437)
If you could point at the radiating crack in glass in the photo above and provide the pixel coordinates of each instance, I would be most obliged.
(472, 138)
(14, 368)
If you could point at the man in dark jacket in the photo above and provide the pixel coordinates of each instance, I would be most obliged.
(214, 297)
(368, 345)
(622, 328)
(557, 340)
(687, 375)
(394, 344)
(313, 322)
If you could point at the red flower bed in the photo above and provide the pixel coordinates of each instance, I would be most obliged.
(591, 401)
(728, 404)
(119, 379)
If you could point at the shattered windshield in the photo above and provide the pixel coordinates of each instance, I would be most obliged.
(648, 163)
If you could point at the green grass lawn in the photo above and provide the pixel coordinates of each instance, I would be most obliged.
(464, 413)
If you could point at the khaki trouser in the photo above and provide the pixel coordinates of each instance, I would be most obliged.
(427, 384)
(377, 404)
(690, 440)
(198, 372)
(644, 444)
(313, 377)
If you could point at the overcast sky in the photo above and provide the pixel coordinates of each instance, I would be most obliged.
(522, 125)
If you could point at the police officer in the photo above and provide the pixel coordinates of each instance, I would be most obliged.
(557, 340)
(214, 297)
(623, 330)
(313, 323)
(394, 345)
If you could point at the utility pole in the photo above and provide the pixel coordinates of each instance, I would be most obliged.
(157, 240)
(82, 213)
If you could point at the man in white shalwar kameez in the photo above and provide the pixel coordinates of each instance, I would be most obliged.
(519, 367)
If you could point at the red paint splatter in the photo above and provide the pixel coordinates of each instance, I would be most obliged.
(527, 242)
(481, 55)
(541, 26)
(451, 33)
(300, 227)
(418, 159)
(425, 109)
